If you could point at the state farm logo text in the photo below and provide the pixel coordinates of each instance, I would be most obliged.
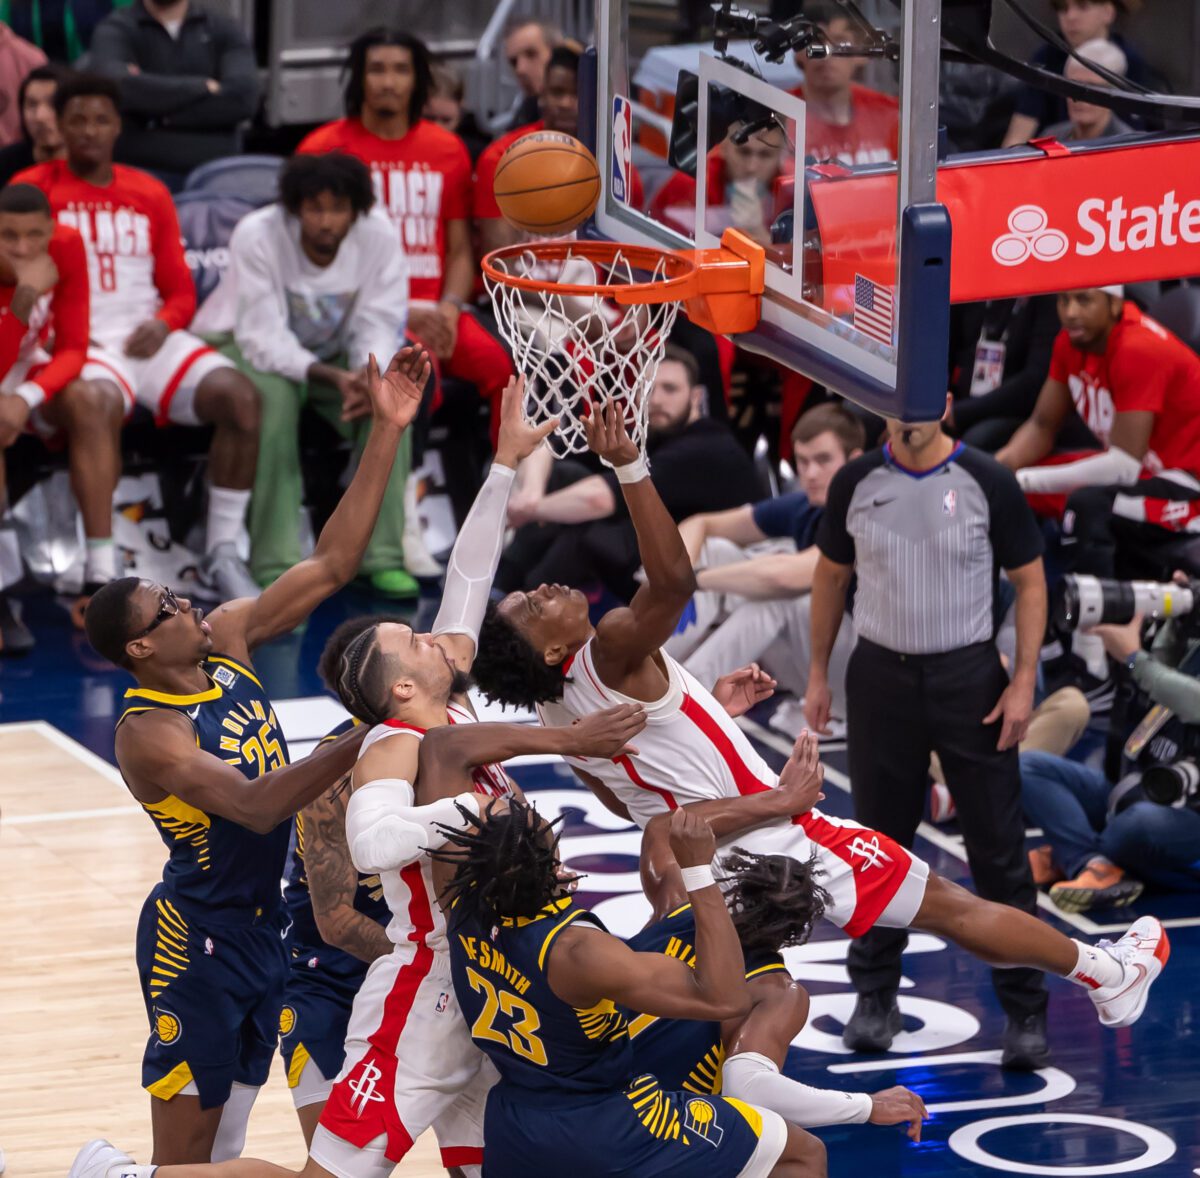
(1104, 225)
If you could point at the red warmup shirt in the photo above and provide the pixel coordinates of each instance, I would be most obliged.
(134, 250)
(58, 323)
(1143, 368)
(486, 208)
(871, 137)
(422, 181)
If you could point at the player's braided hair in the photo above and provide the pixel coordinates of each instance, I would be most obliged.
(507, 864)
(774, 900)
(508, 667)
(359, 677)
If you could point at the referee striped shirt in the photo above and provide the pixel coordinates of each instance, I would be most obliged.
(927, 546)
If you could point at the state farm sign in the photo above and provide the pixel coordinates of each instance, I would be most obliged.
(1033, 226)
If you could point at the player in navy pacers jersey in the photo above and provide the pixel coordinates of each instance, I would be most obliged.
(538, 979)
(199, 746)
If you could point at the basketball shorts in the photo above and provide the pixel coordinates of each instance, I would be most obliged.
(164, 383)
(212, 993)
(312, 1030)
(642, 1130)
(871, 879)
(410, 1066)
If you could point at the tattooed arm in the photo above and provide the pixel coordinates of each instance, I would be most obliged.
(332, 879)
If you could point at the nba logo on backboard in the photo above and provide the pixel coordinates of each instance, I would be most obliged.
(622, 152)
(949, 501)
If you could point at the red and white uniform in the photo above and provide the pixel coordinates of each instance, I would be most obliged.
(410, 1062)
(691, 751)
(137, 272)
(40, 358)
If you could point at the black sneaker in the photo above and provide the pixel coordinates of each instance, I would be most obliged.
(1024, 1042)
(16, 639)
(874, 1024)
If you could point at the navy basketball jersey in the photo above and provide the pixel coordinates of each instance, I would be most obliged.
(214, 863)
(536, 1040)
(683, 1053)
(305, 938)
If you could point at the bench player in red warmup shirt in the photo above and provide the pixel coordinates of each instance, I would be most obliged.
(1137, 388)
(43, 342)
(142, 299)
(422, 175)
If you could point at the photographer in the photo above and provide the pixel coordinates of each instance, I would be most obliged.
(1107, 840)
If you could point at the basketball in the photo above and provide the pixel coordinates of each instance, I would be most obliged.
(547, 183)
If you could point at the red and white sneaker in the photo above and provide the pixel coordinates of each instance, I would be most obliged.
(1143, 951)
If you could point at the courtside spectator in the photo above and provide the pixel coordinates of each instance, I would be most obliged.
(1087, 120)
(1079, 21)
(316, 285)
(40, 139)
(422, 176)
(527, 47)
(17, 58)
(142, 300)
(572, 526)
(444, 106)
(760, 604)
(188, 80)
(43, 345)
(845, 122)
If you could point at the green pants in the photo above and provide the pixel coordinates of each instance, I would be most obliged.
(274, 516)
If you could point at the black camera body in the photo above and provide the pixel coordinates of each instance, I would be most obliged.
(1176, 784)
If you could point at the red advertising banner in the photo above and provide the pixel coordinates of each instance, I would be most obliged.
(1028, 226)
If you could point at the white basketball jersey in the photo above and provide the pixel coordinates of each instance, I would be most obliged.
(689, 751)
(409, 892)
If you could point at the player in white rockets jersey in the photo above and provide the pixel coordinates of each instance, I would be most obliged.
(539, 649)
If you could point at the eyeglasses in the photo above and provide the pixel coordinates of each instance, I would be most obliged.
(168, 607)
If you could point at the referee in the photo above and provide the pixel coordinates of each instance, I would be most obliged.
(926, 524)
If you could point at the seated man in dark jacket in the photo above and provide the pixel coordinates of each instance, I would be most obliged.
(187, 77)
(572, 527)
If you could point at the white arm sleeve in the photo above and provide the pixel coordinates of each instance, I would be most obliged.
(385, 831)
(1114, 466)
(756, 1080)
(475, 557)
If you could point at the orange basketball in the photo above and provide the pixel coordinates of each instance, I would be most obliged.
(547, 183)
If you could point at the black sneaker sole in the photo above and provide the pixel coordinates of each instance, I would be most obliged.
(1120, 895)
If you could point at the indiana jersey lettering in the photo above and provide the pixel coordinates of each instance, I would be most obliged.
(684, 1053)
(569, 1098)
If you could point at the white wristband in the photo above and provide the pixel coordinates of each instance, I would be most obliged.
(633, 472)
(695, 878)
(31, 393)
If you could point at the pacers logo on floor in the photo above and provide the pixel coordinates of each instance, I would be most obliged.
(701, 1121)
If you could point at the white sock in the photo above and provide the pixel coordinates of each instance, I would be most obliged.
(1090, 648)
(1094, 968)
(101, 562)
(226, 513)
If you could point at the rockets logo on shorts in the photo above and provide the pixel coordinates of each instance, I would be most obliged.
(365, 1088)
(872, 854)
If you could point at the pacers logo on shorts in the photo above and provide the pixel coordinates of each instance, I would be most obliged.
(287, 1020)
(167, 1026)
(701, 1121)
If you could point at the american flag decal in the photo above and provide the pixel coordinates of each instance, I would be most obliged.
(873, 309)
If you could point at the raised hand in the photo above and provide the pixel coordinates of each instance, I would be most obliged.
(895, 1106)
(692, 840)
(607, 436)
(740, 690)
(607, 734)
(396, 394)
(518, 438)
(800, 780)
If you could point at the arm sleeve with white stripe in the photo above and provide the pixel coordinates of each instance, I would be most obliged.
(386, 831)
(755, 1079)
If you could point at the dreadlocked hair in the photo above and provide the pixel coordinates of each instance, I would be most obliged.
(774, 900)
(509, 669)
(507, 864)
(359, 677)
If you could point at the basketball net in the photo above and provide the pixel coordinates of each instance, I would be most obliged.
(575, 346)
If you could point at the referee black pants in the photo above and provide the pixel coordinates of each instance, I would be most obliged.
(900, 708)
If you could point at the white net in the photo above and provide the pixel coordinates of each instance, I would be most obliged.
(576, 349)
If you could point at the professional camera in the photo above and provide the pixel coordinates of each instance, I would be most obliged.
(1092, 601)
(1175, 785)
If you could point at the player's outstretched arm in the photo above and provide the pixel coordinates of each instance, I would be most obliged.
(587, 967)
(158, 756)
(1035, 438)
(395, 395)
(625, 638)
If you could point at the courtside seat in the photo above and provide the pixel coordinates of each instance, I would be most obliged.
(206, 222)
(1179, 311)
(253, 178)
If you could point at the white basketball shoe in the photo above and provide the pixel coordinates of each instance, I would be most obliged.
(1143, 951)
(97, 1159)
